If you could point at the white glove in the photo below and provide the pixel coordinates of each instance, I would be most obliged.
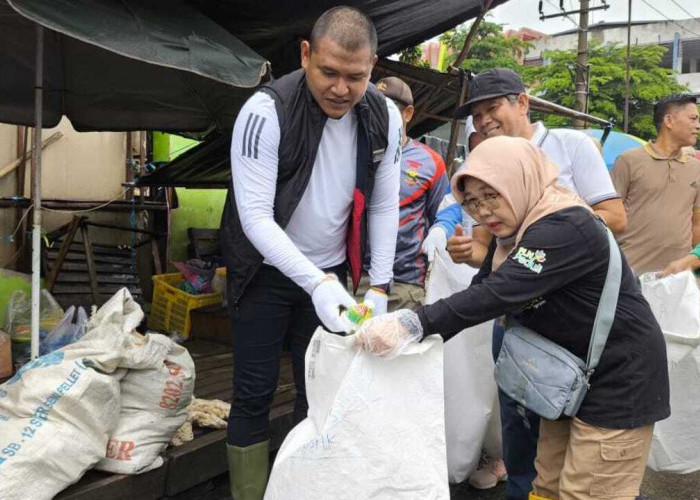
(436, 239)
(379, 299)
(328, 297)
(389, 334)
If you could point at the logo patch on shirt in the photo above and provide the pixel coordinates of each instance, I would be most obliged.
(533, 260)
(411, 178)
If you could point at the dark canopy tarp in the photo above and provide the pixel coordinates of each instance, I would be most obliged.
(275, 27)
(128, 64)
(438, 106)
(159, 64)
(208, 165)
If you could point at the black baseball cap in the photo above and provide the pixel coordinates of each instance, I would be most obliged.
(496, 82)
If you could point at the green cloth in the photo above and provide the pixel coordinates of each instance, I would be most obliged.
(696, 251)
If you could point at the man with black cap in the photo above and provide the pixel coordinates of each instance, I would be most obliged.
(499, 105)
(423, 185)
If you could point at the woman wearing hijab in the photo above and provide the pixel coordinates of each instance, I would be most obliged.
(548, 266)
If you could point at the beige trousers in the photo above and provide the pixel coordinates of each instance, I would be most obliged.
(402, 296)
(577, 461)
(406, 296)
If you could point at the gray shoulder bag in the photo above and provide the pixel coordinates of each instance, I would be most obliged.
(543, 376)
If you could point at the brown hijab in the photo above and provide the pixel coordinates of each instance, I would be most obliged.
(521, 173)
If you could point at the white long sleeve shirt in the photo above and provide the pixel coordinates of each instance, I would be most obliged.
(315, 237)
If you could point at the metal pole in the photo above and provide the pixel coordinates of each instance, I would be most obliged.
(627, 67)
(36, 182)
(581, 62)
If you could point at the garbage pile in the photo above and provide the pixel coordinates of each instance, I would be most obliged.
(112, 399)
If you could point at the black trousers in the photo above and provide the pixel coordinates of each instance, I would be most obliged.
(272, 313)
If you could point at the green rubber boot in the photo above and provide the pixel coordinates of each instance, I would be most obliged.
(247, 470)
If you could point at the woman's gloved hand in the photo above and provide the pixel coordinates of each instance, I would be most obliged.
(434, 241)
(328, 298)
(389, 334)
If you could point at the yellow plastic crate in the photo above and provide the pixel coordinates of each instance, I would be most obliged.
(170, 309)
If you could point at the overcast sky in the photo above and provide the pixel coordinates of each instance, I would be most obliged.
(523, 13)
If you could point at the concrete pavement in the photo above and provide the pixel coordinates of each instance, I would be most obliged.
(656, 486)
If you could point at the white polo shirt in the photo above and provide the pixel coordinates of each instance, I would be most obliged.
(581, 166)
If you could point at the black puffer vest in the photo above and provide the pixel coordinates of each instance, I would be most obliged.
(301, 123)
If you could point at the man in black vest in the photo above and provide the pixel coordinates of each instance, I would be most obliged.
(315, 161)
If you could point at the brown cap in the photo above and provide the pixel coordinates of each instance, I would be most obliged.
(396, 90)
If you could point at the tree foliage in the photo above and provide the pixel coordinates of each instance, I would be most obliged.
(490, 48)
(648, 83)
(413, 55)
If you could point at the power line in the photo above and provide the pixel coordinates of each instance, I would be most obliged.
(565, 16)
(669, 19)
(683, 9)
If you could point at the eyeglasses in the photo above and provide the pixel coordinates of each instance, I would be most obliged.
(490, 202)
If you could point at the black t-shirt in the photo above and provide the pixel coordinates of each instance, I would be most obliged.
(553, 280)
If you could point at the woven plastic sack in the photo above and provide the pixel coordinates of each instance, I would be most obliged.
(675, 302)
(154, 407)
(472, 419)
(375, 427)
(57, 412)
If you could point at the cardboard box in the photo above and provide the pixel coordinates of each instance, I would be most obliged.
(5, 355)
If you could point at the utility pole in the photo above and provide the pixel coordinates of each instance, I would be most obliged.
(627, 67)
(582, 63)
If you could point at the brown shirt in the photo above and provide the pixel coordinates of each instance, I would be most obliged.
(660, 195)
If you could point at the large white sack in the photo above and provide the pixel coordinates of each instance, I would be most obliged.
(57, 412)
(153, 407)
(676, 443)
(675, 301)
(375, 427)
(472, 420)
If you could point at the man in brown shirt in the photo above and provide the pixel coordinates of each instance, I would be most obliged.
(660, 187)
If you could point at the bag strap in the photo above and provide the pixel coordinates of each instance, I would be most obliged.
(607, 306)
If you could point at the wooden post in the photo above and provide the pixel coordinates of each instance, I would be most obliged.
(65, 246)
(460, 58)
(90, 262)
(157, 265)
(454, 131)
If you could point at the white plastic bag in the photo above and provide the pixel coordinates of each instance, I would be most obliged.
(472, 419)
(153, 407)
(375, 427)
(66, 331)
(57, 412)
(675, 302)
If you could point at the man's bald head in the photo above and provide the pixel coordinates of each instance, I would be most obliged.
(349, 27)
